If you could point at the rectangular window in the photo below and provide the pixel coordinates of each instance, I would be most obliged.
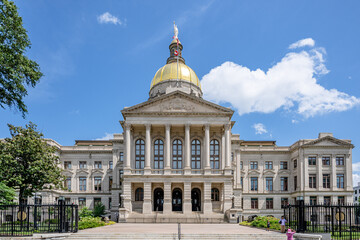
(241, 182)
(67, 165)
(82, 202)
(254, 203)
(269, 203)
(268, 165)
(121, 176)
(253, 165)
(284, 202)
(295, 183)
(312, 181)
(284, 183)
(110, 182)
(97, 183)
(109, 202)
(295, 163)
(283, 165)
(82, 183)
(326, 161)
(340, 180)
(110, 164)
(97, 164)
(340, 161)
(121, 156)
(254, 184)
(68, 183)
(97, 201)
(312, 161)
(326, 180)
(355, 191)
(341, 200)
(82, 164)
(313, 200)
(241, 165)
(327, 200)
(269, 184)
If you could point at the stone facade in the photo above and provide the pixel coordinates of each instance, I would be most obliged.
(178, 161)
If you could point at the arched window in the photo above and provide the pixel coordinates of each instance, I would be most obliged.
(215, 194)
(195, 154)
(214, 154)
(177, 154)
(139, 194)
(159, 154)
(139, 154)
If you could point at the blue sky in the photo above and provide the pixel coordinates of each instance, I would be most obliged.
(100, 56)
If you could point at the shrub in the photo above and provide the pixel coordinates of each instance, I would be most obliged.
(92, 222)
(99, 210)
(85, 212)
(261, 222)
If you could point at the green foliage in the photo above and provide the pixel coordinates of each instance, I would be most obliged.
(261, 222)
(16, 70)
(27, 162)
(92, 222)
(99, 210)
(85, 212)
(7, 194)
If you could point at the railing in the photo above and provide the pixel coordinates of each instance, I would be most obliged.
(24, 220)
(342, 221)
(158, 172)
(219, 172)
(138, 171)
(197, 171)
(177, 171)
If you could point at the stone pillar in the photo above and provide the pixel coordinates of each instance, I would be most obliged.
(207, 149)
(167, 149)
(187, 147)
(187, 198)
(147, 206)
(348, 173)
(319, 176)
(333, 184)
(207, 208)
(167, 198)
(115, 172)
(306, 172)
(227, 149)
(223, 150)
(126, 195)
(127, 147)
(148, 149)
(238, 170)
(228, 195)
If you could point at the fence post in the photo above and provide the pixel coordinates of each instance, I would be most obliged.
(332, 220)
(351, 228)
(76, 217)
(301, 218)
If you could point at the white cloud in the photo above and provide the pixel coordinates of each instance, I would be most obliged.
(108, 18)
(294, 121)
(356, 179)
(290, 84)
(356, 167)
(259, 128)
(106, 137)
(302, 43)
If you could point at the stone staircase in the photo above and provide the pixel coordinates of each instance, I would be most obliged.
(174, 236)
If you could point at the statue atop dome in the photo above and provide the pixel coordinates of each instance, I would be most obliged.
(176, 31)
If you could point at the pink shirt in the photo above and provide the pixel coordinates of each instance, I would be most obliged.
(290, 235)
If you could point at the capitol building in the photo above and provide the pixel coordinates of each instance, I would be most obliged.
(177, 160)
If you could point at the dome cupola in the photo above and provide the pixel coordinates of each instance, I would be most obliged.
(175, 75)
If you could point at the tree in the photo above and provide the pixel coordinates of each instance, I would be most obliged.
(99, 210)
(7, 194)
(28, 163)
(16, 70)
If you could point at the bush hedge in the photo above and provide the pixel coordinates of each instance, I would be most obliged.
(92, 222)
(261, 222)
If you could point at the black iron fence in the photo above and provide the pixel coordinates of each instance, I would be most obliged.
(24, 220)
(342, 221)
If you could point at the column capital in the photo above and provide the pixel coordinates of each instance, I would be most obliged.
(127, 126)
(148, 126)
(227, 126)
(167, 126)
(206, 126)
(187, 126)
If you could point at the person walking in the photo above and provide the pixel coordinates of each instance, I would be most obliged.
(290, 234)
(268, 225)
(282, 224)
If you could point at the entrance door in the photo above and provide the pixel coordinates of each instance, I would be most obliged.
(177, 199)
(158, 199)
(196, 200)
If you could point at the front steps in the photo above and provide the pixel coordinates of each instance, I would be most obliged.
(192, 217)
(174, 236)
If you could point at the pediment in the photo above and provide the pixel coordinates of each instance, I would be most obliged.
(177, 103)
(82, 171)
(254, 172)
(329, 141)
(269, 172)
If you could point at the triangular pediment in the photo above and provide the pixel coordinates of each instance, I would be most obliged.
(328, 141)
(177, 103)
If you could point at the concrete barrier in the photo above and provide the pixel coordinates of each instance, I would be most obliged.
(314, 236)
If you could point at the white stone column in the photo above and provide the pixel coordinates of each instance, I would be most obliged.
(228, 195)
(227, 149)
(148, 149)
(348, 173)
(207, 149)
(126, 195)
(115, 172)
(238, 170)
(127, 147)
(223, 150)
(187, 198)
(333, 173)
(187, 147)
(167, 148)
(319, 173)
(207, 209)
(167, 197)
(306, 172)
(147, 206)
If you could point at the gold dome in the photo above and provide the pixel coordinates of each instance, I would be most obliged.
(169, 72)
